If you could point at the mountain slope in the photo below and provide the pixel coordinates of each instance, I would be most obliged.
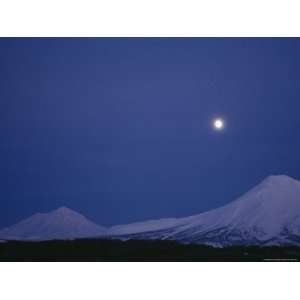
(62, 223)
(269, 214)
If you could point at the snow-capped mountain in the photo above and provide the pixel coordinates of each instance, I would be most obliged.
(269, 214)
(62, 223)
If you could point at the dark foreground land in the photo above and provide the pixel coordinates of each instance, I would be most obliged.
(115, 250)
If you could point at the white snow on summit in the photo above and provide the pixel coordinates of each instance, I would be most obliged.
(269, 214)
(62, 223)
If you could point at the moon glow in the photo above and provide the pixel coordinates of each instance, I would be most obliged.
(218, 124)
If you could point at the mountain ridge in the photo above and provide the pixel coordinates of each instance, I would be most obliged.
(268, 214)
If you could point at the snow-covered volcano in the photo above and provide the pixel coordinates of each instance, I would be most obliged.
(269, 214)
(62, 223)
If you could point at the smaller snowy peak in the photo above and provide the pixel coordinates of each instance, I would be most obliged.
(63, 211)
(62, 223)
(60, 212)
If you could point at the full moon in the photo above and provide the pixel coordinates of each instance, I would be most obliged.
(218, 124)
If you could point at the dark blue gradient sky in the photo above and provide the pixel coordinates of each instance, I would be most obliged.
(119, 129)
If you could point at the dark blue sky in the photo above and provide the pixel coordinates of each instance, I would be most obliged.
(120, 129)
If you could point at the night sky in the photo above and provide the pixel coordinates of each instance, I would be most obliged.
(120, 129)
